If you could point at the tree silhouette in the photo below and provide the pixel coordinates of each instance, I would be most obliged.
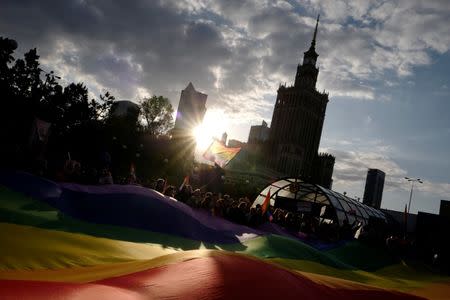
(157, 114)
(28, 92)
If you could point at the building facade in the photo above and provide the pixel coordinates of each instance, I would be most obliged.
(259, 133)
(373, 192)
(297, 120)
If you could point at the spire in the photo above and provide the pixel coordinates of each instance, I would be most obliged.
(313, 42)
(307, 72)
(190, 87)
(311, 55)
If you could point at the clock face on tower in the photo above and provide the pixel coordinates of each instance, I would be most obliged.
(308, 61)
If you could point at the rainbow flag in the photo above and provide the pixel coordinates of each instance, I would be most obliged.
(220, 154)
(266, 203)
(70, 241)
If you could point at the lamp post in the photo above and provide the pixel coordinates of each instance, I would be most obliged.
(412, 180)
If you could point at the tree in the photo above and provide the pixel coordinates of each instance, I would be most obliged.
(27, 92)
(7, 47)
(23, 89)
(157, 114)
(102, 108)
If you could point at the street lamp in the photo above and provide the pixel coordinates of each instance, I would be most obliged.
(412, 180)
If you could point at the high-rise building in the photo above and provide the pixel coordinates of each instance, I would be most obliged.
(259, 133)
(190, 113)
(373, 192)
(191, 110)
(444, 208)
(297, 120)
(322, 172)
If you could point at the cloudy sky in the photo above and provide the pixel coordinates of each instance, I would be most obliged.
(385, 65)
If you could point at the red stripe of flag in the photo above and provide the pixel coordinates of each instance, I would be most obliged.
(266, 203)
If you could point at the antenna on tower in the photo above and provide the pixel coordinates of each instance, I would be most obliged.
(313, 42)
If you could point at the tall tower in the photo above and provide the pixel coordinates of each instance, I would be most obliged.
(373, 192)
(322, 172)
(190, 113)
(191, 110)
(297, 119)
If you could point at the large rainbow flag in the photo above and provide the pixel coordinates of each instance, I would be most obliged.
(69, 241)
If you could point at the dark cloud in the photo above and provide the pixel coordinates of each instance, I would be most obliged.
(140, 43)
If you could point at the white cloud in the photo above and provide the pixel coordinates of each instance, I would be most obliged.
(385, 97)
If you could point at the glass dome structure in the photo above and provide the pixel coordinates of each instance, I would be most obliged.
(296, 195)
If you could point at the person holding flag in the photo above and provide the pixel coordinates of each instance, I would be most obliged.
(220, 155)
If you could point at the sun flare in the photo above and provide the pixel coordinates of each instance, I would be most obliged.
(214, 124)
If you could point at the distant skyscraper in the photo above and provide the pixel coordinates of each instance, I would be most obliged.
(322, 172)
(191, 110)
(224, 138)
(259, 133)
(297, 120)
(373, 191)
(190, 113)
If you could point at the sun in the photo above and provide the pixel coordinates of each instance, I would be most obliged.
(214, 124)
(202, 137)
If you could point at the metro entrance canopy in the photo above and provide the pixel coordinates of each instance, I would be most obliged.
(296, 195)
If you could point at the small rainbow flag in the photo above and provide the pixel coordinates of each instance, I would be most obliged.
(265, 207)
(185, 182)
(266, 203)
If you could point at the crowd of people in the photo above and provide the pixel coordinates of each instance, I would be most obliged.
(242, 211)
(238, 210)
